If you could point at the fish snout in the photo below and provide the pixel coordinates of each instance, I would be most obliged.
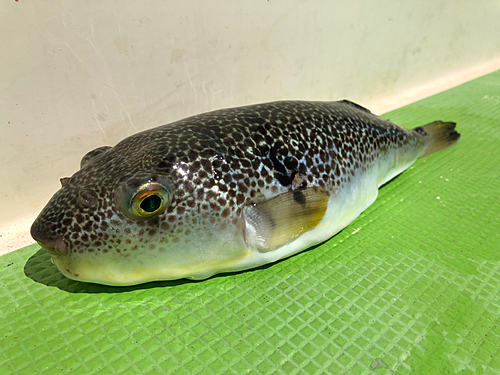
(48, 239)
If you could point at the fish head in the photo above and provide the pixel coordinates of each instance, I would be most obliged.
(135, 214)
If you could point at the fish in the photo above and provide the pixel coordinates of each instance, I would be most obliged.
(226, 190)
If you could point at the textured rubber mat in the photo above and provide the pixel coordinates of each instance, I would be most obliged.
(412, 286)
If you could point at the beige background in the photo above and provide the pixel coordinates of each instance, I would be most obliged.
(76, 75)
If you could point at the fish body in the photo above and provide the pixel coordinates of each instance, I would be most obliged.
(226, 190)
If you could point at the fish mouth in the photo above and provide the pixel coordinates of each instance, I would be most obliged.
(57, 248)
(45, 234)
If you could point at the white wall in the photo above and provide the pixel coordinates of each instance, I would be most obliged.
(75, 75)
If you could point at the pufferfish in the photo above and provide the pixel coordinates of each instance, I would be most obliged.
(226, 190)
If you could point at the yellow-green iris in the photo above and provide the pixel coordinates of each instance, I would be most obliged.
(149, 200)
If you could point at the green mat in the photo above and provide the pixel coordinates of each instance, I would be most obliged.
(412, 286)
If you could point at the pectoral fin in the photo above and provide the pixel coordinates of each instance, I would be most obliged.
(274, 222)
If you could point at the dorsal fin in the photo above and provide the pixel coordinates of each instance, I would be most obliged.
(352, 104)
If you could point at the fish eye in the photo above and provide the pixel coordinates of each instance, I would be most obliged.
(150, 199)
(151, 203)
(143, 196)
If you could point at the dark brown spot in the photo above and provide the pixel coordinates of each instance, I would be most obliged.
(299, 197)
(240, 198)
(242, 187)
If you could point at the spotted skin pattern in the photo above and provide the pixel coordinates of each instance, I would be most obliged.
(215, 164)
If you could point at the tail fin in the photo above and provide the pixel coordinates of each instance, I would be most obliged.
(441, 135)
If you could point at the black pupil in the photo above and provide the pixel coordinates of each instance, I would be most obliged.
(151, 203)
